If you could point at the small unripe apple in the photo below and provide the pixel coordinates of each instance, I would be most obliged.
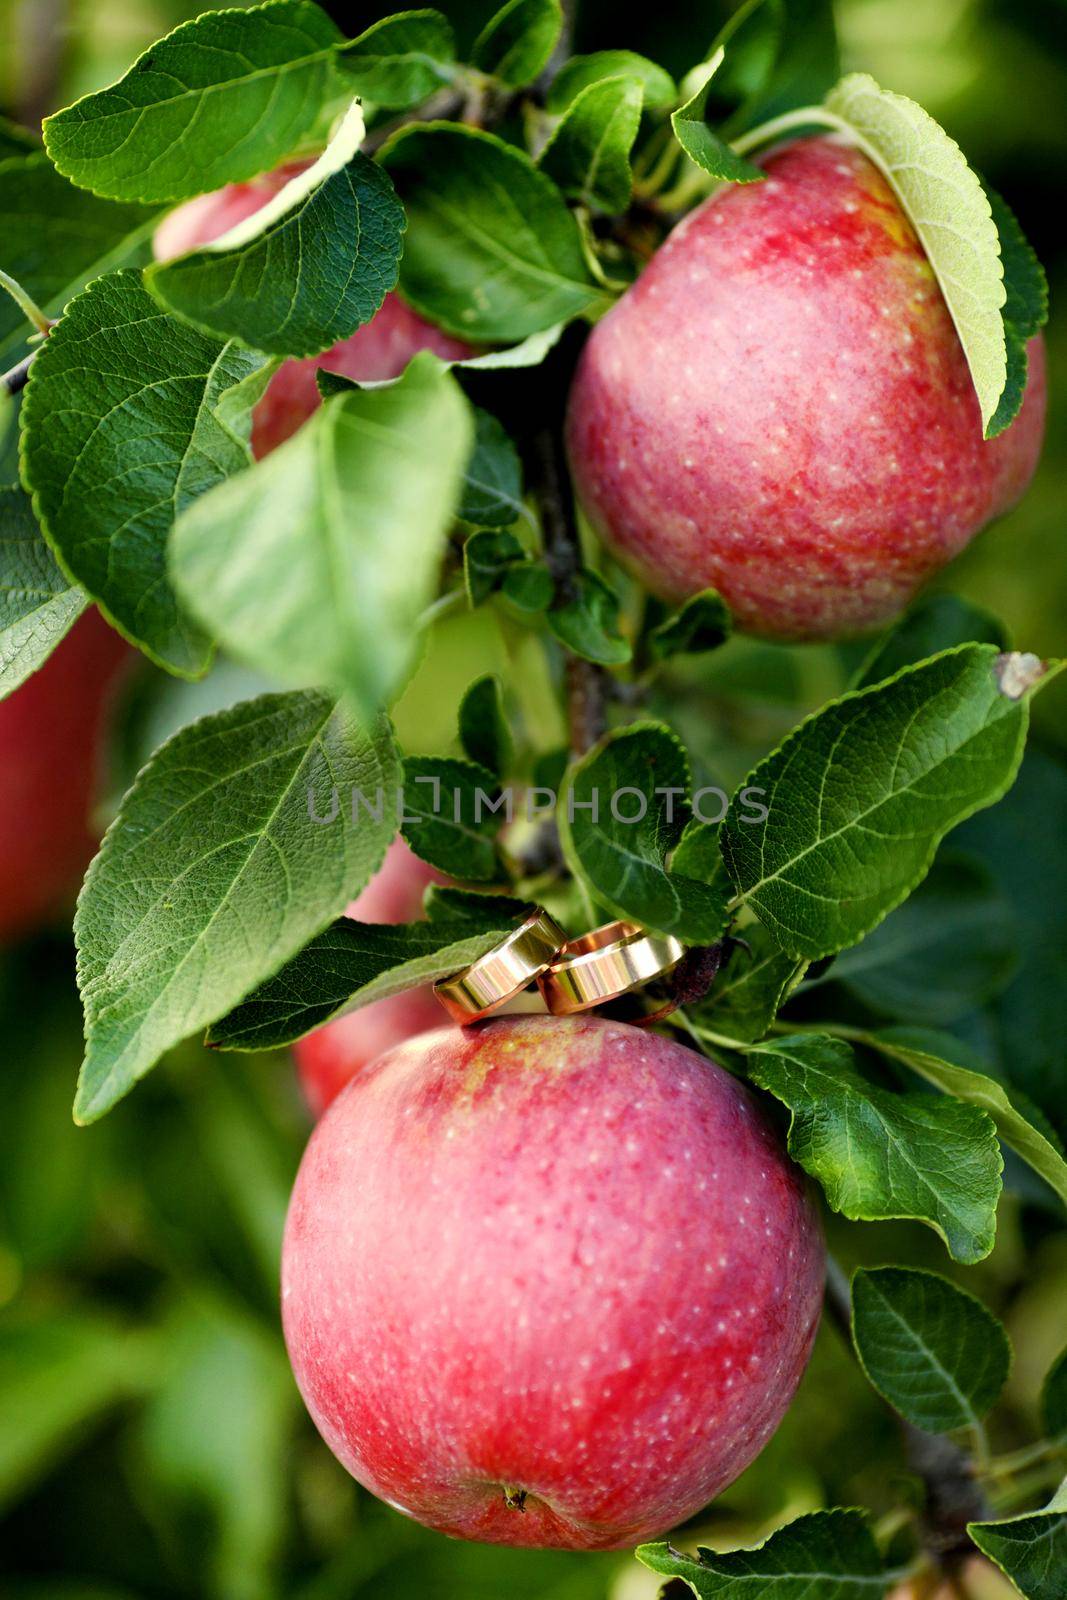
(548, 1281)
(328, 1058)
(381, 349)
(780, 407)
(52, 731)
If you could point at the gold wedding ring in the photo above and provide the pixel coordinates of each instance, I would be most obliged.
(503, 972)
(606, 963)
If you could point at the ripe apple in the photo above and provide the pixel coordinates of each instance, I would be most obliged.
(780, 407)
(548, 1281)
(379, 350)
(329, 1057)
(51, 733)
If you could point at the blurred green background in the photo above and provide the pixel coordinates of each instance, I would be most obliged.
(151, 1440)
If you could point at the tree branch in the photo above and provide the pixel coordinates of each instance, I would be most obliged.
(587, 683)
(15, 380)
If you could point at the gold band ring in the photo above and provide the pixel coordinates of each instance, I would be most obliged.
(503, 972)
(606, 963)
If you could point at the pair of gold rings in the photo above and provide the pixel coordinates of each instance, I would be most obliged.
(572, 974)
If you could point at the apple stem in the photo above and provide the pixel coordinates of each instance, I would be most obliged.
(788, 122)
(15, 380)
(514, 1499)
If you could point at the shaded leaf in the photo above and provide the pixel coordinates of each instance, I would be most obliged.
(932, 1350)
(755, 982)
(492, 251)
(38, 605)
(935, 622)
(449, 817)
(492, 483)
(400, 60)
(516, 42)
(826, 1553)
(1031, 1549)
(586, 621)
(703, 623)
(622, 810)
(483, 727)
(1054, 1399)
(581, 71)
(881, 1155)
(57, 238)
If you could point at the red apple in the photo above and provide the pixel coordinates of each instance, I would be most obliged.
(780, 407)
(333, 1054)
(51, 734)
(379, 350)
(548, 1281)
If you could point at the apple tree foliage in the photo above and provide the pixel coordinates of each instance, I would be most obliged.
(860, 926)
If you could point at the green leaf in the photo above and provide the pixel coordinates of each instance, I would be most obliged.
(930, 1055)
(586, 621)
(1031, 1549)
(37, 604)
(747, 994)
(1025, 308)
(881, 1155)
(400, 60)
(487, 557)
(706, 147)
(830, 1554)
(492, 482)
(483, 727)
(129, 416)
(306, 270)
(492, 251)
(949, 210)
(703, 623)
(622, 810)
(1054, 1399)
(449, 819)
(771, 56)
(352, 964)
(860, 795)
(314, 567)
(943, 953)
(932, 1350)
(588, 154)
(58, 1373)
(516, 43)
(581, 71)
(935, 623)
(215, 1441)
(222, 98)
(57, 238)
(528, 588)
(215, 873)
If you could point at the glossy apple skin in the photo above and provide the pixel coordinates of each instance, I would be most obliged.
(561, 1255)
(51, 738)
(381, 349)
(328, 1058)
(780, 408)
